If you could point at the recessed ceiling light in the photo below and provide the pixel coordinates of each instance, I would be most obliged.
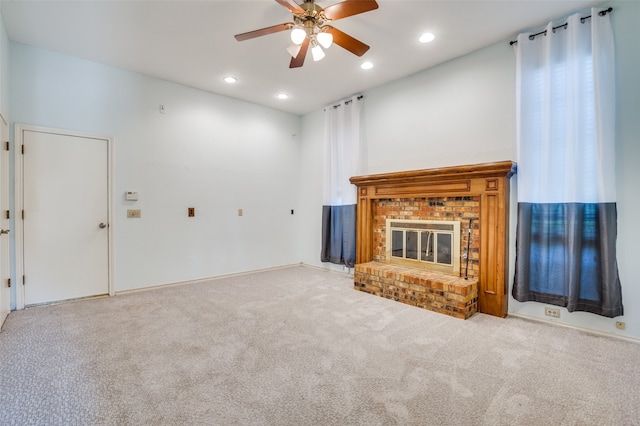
(230, 79)
(282, 96)
(366, 65)
(426, 38)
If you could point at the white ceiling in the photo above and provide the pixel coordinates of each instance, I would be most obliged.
(192, 43)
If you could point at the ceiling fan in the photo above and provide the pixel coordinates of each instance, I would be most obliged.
(310, 26)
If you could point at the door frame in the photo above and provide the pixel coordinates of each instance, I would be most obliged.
(19, 130)
(5, 193)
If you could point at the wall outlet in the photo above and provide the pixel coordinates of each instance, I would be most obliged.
(552, 312)
(240, 212)
(620, 325)
(134, 213)
(191, 211)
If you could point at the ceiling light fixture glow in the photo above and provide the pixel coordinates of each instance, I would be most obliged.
(298, 35)
(366, 65)
(282, 96)
(426, 38)
(230, 79)
(325, 39)
(316, 51)
(294, 49)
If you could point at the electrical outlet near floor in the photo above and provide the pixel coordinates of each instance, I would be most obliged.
(620, 325)
(552, 312)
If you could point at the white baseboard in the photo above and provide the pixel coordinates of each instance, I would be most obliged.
(575, 327)
(200, 280)
(349, 271)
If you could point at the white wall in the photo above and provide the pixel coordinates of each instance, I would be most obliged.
(4, 110)
(627, 33)
(459, 113)
(311, 158)
(463, 112)
(4, 70)
(210, 152)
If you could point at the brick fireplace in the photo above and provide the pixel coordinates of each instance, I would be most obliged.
(475, 195)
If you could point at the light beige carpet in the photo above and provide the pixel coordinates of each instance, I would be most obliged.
(299, 346)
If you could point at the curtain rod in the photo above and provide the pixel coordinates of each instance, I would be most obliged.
(347, 102)
(532, 36)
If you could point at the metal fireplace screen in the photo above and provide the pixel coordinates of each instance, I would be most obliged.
(427, 244)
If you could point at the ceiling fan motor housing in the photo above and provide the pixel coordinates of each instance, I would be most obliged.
(312, 13)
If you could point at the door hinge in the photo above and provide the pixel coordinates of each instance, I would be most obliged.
(9, 282)
(22, 214)
(22, 149)
(7, 214)
(6, 146)
(24, 281)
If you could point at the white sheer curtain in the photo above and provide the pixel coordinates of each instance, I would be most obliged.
(566, 167)
(566, 113)
(341, 162)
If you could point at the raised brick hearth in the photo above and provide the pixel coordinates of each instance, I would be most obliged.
(446, 294)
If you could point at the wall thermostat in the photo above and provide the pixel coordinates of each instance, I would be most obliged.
(131, 196)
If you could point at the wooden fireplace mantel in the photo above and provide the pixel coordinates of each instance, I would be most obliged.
(488, 181)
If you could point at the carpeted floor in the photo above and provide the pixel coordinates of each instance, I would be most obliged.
(299, 346)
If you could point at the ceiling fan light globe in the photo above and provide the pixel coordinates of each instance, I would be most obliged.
(298, 35)
(325, 39)
(294, 49)
(317, 53)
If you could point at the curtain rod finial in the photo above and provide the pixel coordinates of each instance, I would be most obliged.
(604, 12)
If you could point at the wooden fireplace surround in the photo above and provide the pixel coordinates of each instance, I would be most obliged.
(488, 181)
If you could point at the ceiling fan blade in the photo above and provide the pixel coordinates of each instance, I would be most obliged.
(349, 8)
(298, 61)
(292, 6)
(264, 31)
(347, 42)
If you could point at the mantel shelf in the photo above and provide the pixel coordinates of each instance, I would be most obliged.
(474, 171)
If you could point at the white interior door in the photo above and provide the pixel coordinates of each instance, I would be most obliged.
(5, 290)
(65, 223)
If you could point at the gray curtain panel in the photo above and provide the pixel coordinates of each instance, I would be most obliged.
(339, 235)
(566, 256)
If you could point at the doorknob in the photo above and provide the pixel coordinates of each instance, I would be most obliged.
(102, 225)
(4, 231)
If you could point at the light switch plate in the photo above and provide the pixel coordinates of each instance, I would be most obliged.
(131, 196)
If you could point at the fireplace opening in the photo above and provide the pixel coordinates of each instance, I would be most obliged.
(428, 244)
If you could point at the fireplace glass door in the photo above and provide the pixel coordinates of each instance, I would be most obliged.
(424, 243)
